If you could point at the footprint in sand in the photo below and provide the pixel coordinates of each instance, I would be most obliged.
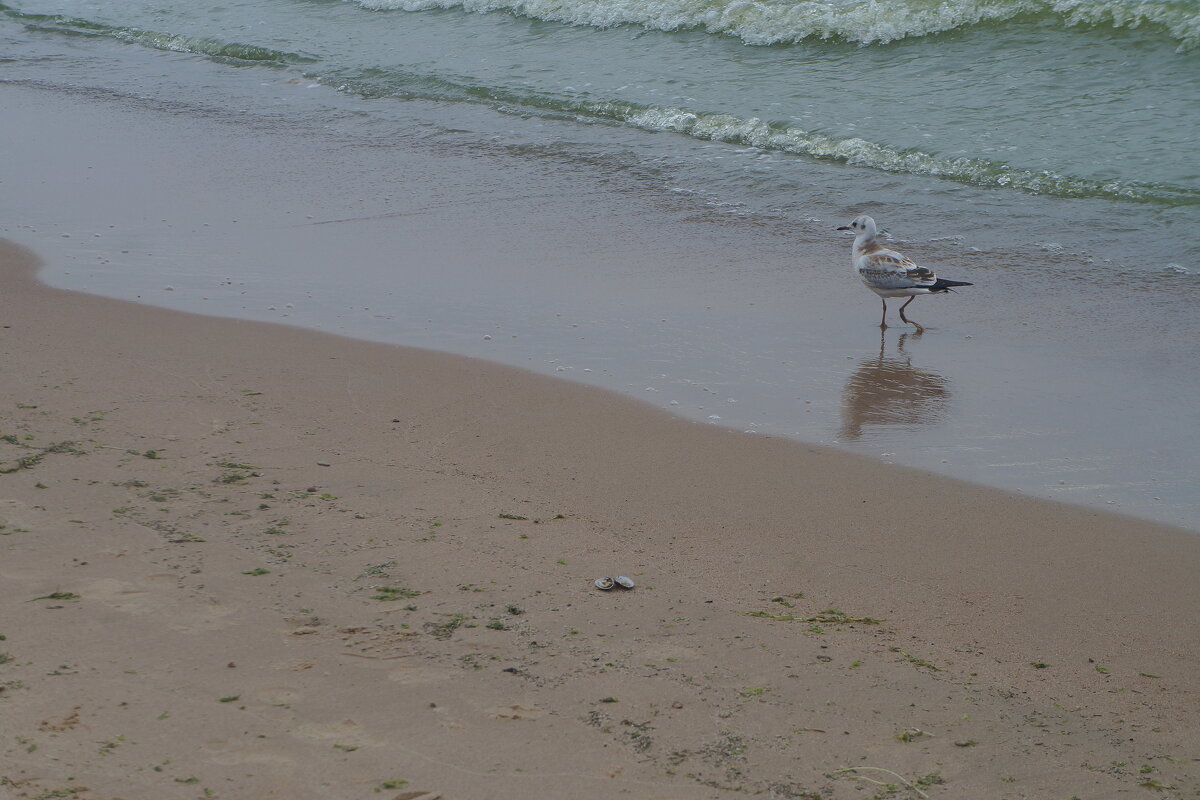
(416, 676)
(331, 730)
(228, 754)
(150, 596)
(346, 733)
(514, 712)
(12, 513)
(131, 598)
(277, 695)
(17, 517)
(663, 652)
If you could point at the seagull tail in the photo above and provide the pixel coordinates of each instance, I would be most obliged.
(943, 285)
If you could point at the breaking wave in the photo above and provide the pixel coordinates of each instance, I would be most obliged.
(770, 136)
(697, 124)
(766, 22)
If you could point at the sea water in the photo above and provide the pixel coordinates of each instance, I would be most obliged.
(1045, 151)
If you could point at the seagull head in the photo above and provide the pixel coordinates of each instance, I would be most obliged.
(862, 226)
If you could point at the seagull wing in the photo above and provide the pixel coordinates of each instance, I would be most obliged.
(887, 269)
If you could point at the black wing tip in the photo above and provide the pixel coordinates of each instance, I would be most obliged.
(943, 285)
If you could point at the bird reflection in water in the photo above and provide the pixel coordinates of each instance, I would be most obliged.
(889, 390)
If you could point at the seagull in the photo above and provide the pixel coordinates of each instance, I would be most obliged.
(891, 274)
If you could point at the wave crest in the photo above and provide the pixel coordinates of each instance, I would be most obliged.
(863, 153)
(730, 129)
(766, 22)
(753, 132)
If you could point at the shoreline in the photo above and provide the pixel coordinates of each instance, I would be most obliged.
(705, 314)
(968, 586)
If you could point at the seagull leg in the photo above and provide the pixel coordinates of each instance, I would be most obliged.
(914, 323)
(883, 319)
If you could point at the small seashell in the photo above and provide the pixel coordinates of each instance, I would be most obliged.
(625, 583)
(604, 584)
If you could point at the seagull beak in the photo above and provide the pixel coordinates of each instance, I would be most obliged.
(845, 228)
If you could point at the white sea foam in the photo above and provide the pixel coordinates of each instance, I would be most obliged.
(763, 22)
(861, 152)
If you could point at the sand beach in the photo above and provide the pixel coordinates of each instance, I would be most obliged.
(345, 345)
(243, 560)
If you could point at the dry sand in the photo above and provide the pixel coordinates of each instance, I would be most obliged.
(195, 606)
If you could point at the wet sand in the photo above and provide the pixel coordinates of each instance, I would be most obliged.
(562, 266)
(250, 561)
